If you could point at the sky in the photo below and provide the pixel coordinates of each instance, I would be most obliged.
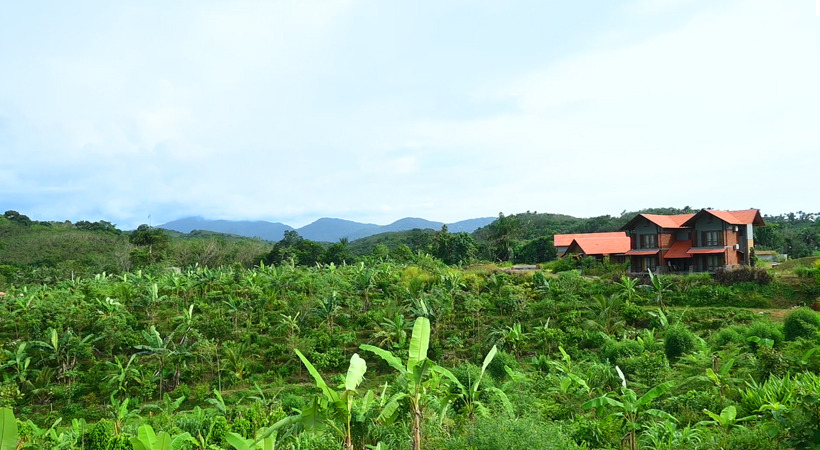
(293, 110)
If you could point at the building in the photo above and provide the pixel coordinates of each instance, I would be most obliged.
(561, 242)
(701, 242)
(613, 245)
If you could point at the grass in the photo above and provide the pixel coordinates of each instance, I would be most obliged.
(789, 265)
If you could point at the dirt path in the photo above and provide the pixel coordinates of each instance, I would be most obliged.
(777, 315)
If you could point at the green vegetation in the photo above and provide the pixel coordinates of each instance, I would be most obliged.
(394, 350)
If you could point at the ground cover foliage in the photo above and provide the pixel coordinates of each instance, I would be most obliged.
(334, 356)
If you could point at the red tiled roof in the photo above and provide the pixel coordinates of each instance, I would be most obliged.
(564, 240)
(748, 216)
(739, 217)
(673, 221)
(642, 252)
(597, 245)
(679, 250)
(702, 251)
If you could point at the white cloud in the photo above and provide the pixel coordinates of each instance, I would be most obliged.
(299, 109)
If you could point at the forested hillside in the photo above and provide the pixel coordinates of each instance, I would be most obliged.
(38, 251)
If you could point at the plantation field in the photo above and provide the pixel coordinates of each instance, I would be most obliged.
(412, 354)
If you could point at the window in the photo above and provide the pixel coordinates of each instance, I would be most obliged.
(711, 239)
(714, 262)
(647, 262)
(648, 241)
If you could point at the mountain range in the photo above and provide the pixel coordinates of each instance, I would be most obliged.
(322, 230)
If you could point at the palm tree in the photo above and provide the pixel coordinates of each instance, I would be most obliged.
(606, 314)
(627, 288)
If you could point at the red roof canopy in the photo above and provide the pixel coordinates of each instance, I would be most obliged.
(642, 252)
(679, 250)
(564, 240)
(599, 245)
(702, 251)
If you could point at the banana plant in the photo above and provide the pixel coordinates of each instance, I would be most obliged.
(63, 350)
(325, 410)
(238, 442)
(632, 409)
(120, 413)
(570, 381)
(18, 361)
(417, 372)
(35, 434)
(71, 438)
(471, 395)
(8, 430)
(719, 376)
(659, 287)
(727, 419)
(148, 440)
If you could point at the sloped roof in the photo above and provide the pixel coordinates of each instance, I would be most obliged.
(703, 251)
(679, 249)
(643, 252)
(564, 240)
(738, 217)
(663, 221)
(599, 245)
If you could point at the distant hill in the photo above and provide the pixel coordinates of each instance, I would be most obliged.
(322, 230)
(469, 225)
(269, 231)
(331, 230)
(413, 223)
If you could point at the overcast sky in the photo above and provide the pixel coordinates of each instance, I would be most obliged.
(372, 111)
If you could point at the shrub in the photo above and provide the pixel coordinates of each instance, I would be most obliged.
(503, 433)
(219, 429)
(593, 433)
(647, 368)
(496, 367)
(765, 330)
(100, 436)
(121, 442)
(732, 335)
(770, 362)
(678, 340)
(688, 407)
(803, 322)
(633, 313)
(743, 274)
(750, 439)
(613, 351)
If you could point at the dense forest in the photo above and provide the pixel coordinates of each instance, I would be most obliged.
(420, 339)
